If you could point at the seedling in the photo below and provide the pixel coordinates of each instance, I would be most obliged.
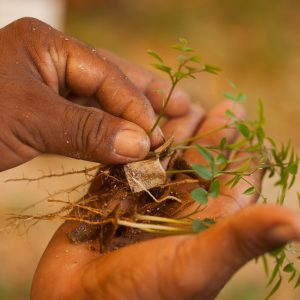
(143, 197)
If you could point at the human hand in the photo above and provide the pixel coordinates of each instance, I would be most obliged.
(40, 67)
(175, 267)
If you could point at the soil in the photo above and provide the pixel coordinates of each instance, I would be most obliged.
(114, 195)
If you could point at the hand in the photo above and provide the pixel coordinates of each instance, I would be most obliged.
(41, 67)
(175, 267)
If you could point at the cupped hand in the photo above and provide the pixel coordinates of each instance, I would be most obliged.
(44, 74)
(175, 267)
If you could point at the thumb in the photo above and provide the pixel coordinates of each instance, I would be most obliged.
(212, 257)
(92, 134)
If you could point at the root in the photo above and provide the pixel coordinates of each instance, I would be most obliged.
(113, 207)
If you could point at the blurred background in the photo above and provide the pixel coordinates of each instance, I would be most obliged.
(257, 45)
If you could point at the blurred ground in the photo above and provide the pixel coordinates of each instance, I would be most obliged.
(256, 43)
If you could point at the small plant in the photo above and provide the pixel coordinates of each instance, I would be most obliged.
(153, 209)
(183, 70)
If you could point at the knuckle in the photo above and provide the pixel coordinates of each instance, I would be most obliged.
(27, 22)
(87, 130)
(32, 32)
(15, 151)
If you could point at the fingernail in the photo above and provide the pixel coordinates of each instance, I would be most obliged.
(157, 138)
(159, 132)
(131, 143)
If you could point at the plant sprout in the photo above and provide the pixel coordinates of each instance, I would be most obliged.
(276, 160)
(147, 211)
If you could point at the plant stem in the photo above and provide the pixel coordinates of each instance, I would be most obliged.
(179, 171)
(162, 112)
(160, 219)
(147, 226)
(200, 136)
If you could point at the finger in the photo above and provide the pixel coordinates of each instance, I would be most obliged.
(84, 101)
(252, 179)
(117, 94)
(67, 64)
(181, 267)
(157, 92)
(61, 266)
(154, 87)
(212, 130)
(232, 199)
(86, 133)
(183, 127)
(226, 247)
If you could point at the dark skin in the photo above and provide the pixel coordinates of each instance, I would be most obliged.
(39, 66)
(175, 267)
(44, 76)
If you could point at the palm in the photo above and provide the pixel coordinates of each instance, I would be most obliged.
(177, 267)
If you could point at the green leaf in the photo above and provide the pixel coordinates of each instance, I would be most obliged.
(261, 113)
(209, 221)
(223, 143)
(182, 46)
(244, 130)
(234, 181)
(241, 98)
(202, 171)
(250, 191)
(211, 69)
(214, 188)
(190, 69)
(214, 169)
(181, 58)
(293, 168)
(208, 156)
(292, 276)
(229, 96)
(187, 49)
(266, 265)
(244, 166)
(253, 148)
(272, 143)
(277, 251)
(183, 41)
(180, 75)
(200, 195)
(163, 68)
(155, 55)
(221, 159)
(238, 144)
(195, 58)
(297, 282)
(229, 113)
(275, 288)
(274, 274)
(281, 258)
(289, 268)
(198, 226)
(178, 47)
(260, 135)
